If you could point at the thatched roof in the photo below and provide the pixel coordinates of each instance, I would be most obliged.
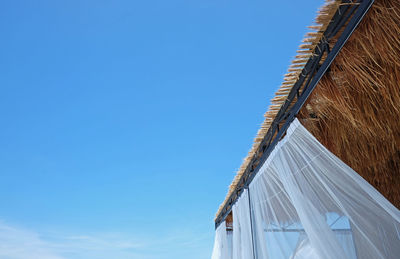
(353, 109)
(356, 106)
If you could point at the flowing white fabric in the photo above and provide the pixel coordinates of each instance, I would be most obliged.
(230, 243)
(242, 240)
(307, 203)
(221, 243)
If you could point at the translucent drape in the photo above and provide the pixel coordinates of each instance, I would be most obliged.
(306, 203)
(242, 240)
(230, 243)
(221, 243)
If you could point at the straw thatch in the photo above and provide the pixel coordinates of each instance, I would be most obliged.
(354, 110)
(305, 51)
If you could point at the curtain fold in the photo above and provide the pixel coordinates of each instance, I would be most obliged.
(221, 243)
(242, 240)
(308, 204)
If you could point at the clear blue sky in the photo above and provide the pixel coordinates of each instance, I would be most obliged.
(123, 122)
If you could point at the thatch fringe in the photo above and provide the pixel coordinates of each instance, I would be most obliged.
(305, 51)
(356, 106)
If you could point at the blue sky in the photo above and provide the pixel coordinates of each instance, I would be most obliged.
(123, 122)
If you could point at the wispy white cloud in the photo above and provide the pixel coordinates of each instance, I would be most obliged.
(17, 243)
(21, 243)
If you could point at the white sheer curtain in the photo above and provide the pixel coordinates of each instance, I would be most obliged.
(308, 204)
(230, 243)
(242, 240)
(221, 243)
